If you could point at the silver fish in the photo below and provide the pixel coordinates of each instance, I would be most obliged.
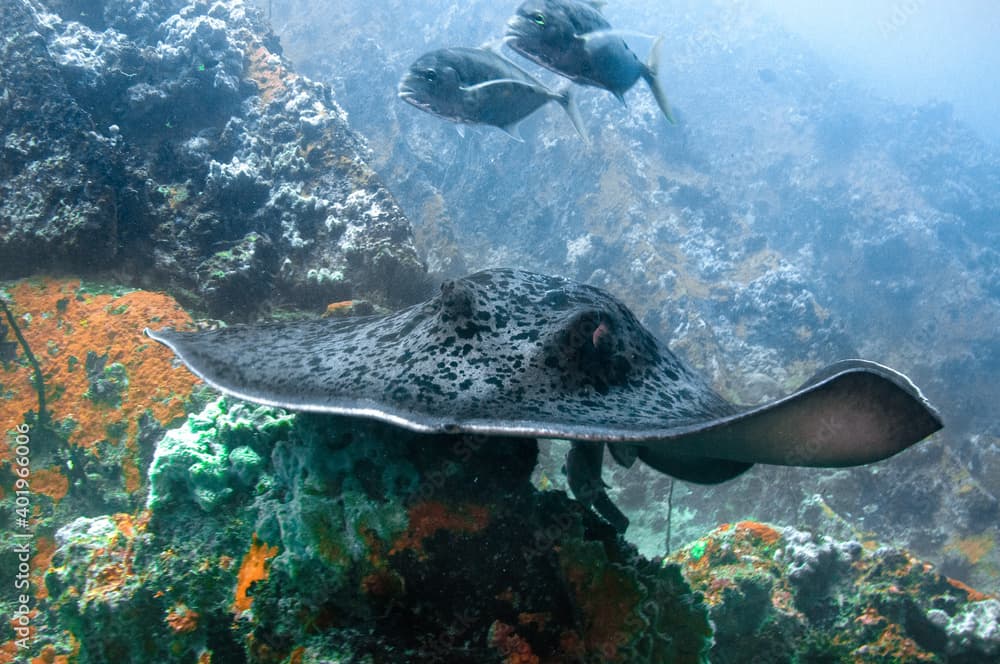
(574, 40)
(479, 86)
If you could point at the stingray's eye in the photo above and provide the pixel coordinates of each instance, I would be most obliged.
(430, 75)
(538, 18)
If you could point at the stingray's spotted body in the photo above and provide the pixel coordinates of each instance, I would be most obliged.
(510, 352)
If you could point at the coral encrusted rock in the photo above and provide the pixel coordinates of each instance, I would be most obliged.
(170, 141)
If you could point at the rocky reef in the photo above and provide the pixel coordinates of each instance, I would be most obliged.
(271, 537)
(788, 595)
(169, 144)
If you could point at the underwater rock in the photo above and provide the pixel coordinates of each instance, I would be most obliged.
(976, 627)
(57, 205)
(357, 541)
(107, 393)
(274, 537)
(171, 133)
(784, 595)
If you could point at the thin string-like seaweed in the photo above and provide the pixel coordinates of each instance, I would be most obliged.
(670, 511)
(38, 379)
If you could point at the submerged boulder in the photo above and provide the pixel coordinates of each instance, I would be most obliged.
(170, 142)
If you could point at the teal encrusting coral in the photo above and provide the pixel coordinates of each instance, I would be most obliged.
(214, 454)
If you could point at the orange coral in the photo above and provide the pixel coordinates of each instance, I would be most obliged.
(182, 619)
(972, 594)
(871, 617)
(268, 73)
(893, 646)
(48, 656)
(63, 322)
(338, 308)
(429, 517)
(127, 525)
(111, 566)
(50, 482)
(973, 548)
(252, 569)
(761, 531)
(510, 644)
(40, 563)
(606, 598)
(382, 583)
(537, 619)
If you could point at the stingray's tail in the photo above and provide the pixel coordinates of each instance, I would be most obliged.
(651, 74)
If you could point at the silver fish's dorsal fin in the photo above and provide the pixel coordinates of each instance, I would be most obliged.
(495, 46)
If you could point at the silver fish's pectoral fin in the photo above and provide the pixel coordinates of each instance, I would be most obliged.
(460, 129)
(851, 413)
(494, 45)
(612, 33)
(506, 81)
(583, 470)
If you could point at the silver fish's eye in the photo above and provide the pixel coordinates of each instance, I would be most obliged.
(430, 75)
(538, 18)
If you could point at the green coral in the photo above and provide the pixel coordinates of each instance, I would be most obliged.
(214, 454)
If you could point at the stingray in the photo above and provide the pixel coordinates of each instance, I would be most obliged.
(512, 353)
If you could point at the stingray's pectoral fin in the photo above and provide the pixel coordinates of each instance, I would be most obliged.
(583, 470)
(851, 413)
(698, 470)
(624, 453)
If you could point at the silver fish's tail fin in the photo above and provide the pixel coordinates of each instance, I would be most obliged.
(651, 73)
(565, 98)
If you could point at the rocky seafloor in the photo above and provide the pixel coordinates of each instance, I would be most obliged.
(168, 147)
